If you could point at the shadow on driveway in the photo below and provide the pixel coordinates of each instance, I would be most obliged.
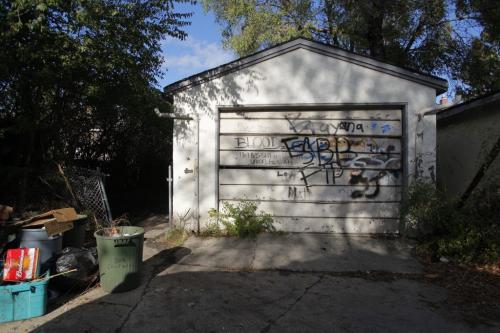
(178, 294)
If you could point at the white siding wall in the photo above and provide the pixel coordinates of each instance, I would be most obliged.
(297, 77)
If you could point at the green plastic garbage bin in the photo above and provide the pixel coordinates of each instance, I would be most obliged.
(120, 258)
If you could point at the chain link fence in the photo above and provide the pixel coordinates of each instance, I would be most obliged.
(88, 187)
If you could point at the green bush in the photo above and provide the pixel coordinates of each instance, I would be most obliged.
(444, 227)
(427, 211)
(240, 220)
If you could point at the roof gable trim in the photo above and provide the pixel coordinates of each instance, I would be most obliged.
(434, 82)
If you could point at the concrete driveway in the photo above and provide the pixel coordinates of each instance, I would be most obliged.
(276, 283)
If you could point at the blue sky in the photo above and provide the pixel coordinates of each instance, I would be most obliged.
(200, 51)
(203, 47)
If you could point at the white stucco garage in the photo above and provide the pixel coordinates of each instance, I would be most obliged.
(323, 139)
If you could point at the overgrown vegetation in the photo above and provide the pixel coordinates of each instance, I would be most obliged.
(240, 220)
(468, 233)
(454, 38)
(78, 85)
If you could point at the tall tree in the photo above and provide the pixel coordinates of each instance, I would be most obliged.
(75, 76)
(414, 33)
(479, 69)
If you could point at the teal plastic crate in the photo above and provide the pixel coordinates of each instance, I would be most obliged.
(23, 300)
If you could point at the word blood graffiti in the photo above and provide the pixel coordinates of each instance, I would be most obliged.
(257, 142)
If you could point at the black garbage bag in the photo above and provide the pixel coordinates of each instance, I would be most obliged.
(80, 258)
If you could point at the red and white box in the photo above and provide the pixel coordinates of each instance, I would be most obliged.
(21, 264)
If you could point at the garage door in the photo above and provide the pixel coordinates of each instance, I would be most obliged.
(315, 171)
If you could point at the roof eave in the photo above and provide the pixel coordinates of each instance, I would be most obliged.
(457, 109)
(439, 84)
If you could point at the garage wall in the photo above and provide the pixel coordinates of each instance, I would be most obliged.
(297, 77)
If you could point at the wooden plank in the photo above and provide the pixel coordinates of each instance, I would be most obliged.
(316, 171)
(310, 159)
(312, 194)
(337, 225)
(330, 210)
(298, 143)
(312, 177)
(314, 127)
(312, 114)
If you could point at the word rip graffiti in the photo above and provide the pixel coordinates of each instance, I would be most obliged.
(319, 155)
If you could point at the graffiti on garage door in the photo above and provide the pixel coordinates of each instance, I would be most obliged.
(313, 158)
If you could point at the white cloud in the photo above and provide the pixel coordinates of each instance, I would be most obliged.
(192, 56)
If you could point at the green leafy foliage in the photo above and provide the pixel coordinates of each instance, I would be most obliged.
(479, 68)
(433, 36)
(409, 33)
(76, 77)
(77, 82)
(428, 212)
(212, 227)
(240, 220)
(466, 233)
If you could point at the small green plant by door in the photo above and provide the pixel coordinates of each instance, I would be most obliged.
(240, 220)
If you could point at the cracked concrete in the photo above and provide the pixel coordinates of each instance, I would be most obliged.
(273, 322)
(276, 283)
(144, 291)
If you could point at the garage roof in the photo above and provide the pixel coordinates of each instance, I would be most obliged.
(439, 84)
(468, 106)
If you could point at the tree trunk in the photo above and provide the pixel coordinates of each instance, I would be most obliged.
(375, 12)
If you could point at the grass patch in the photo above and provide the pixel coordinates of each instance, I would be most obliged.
(212, 229)
(176, 236)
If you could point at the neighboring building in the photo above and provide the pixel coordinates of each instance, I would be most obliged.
(324, 139)
(468, 146)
